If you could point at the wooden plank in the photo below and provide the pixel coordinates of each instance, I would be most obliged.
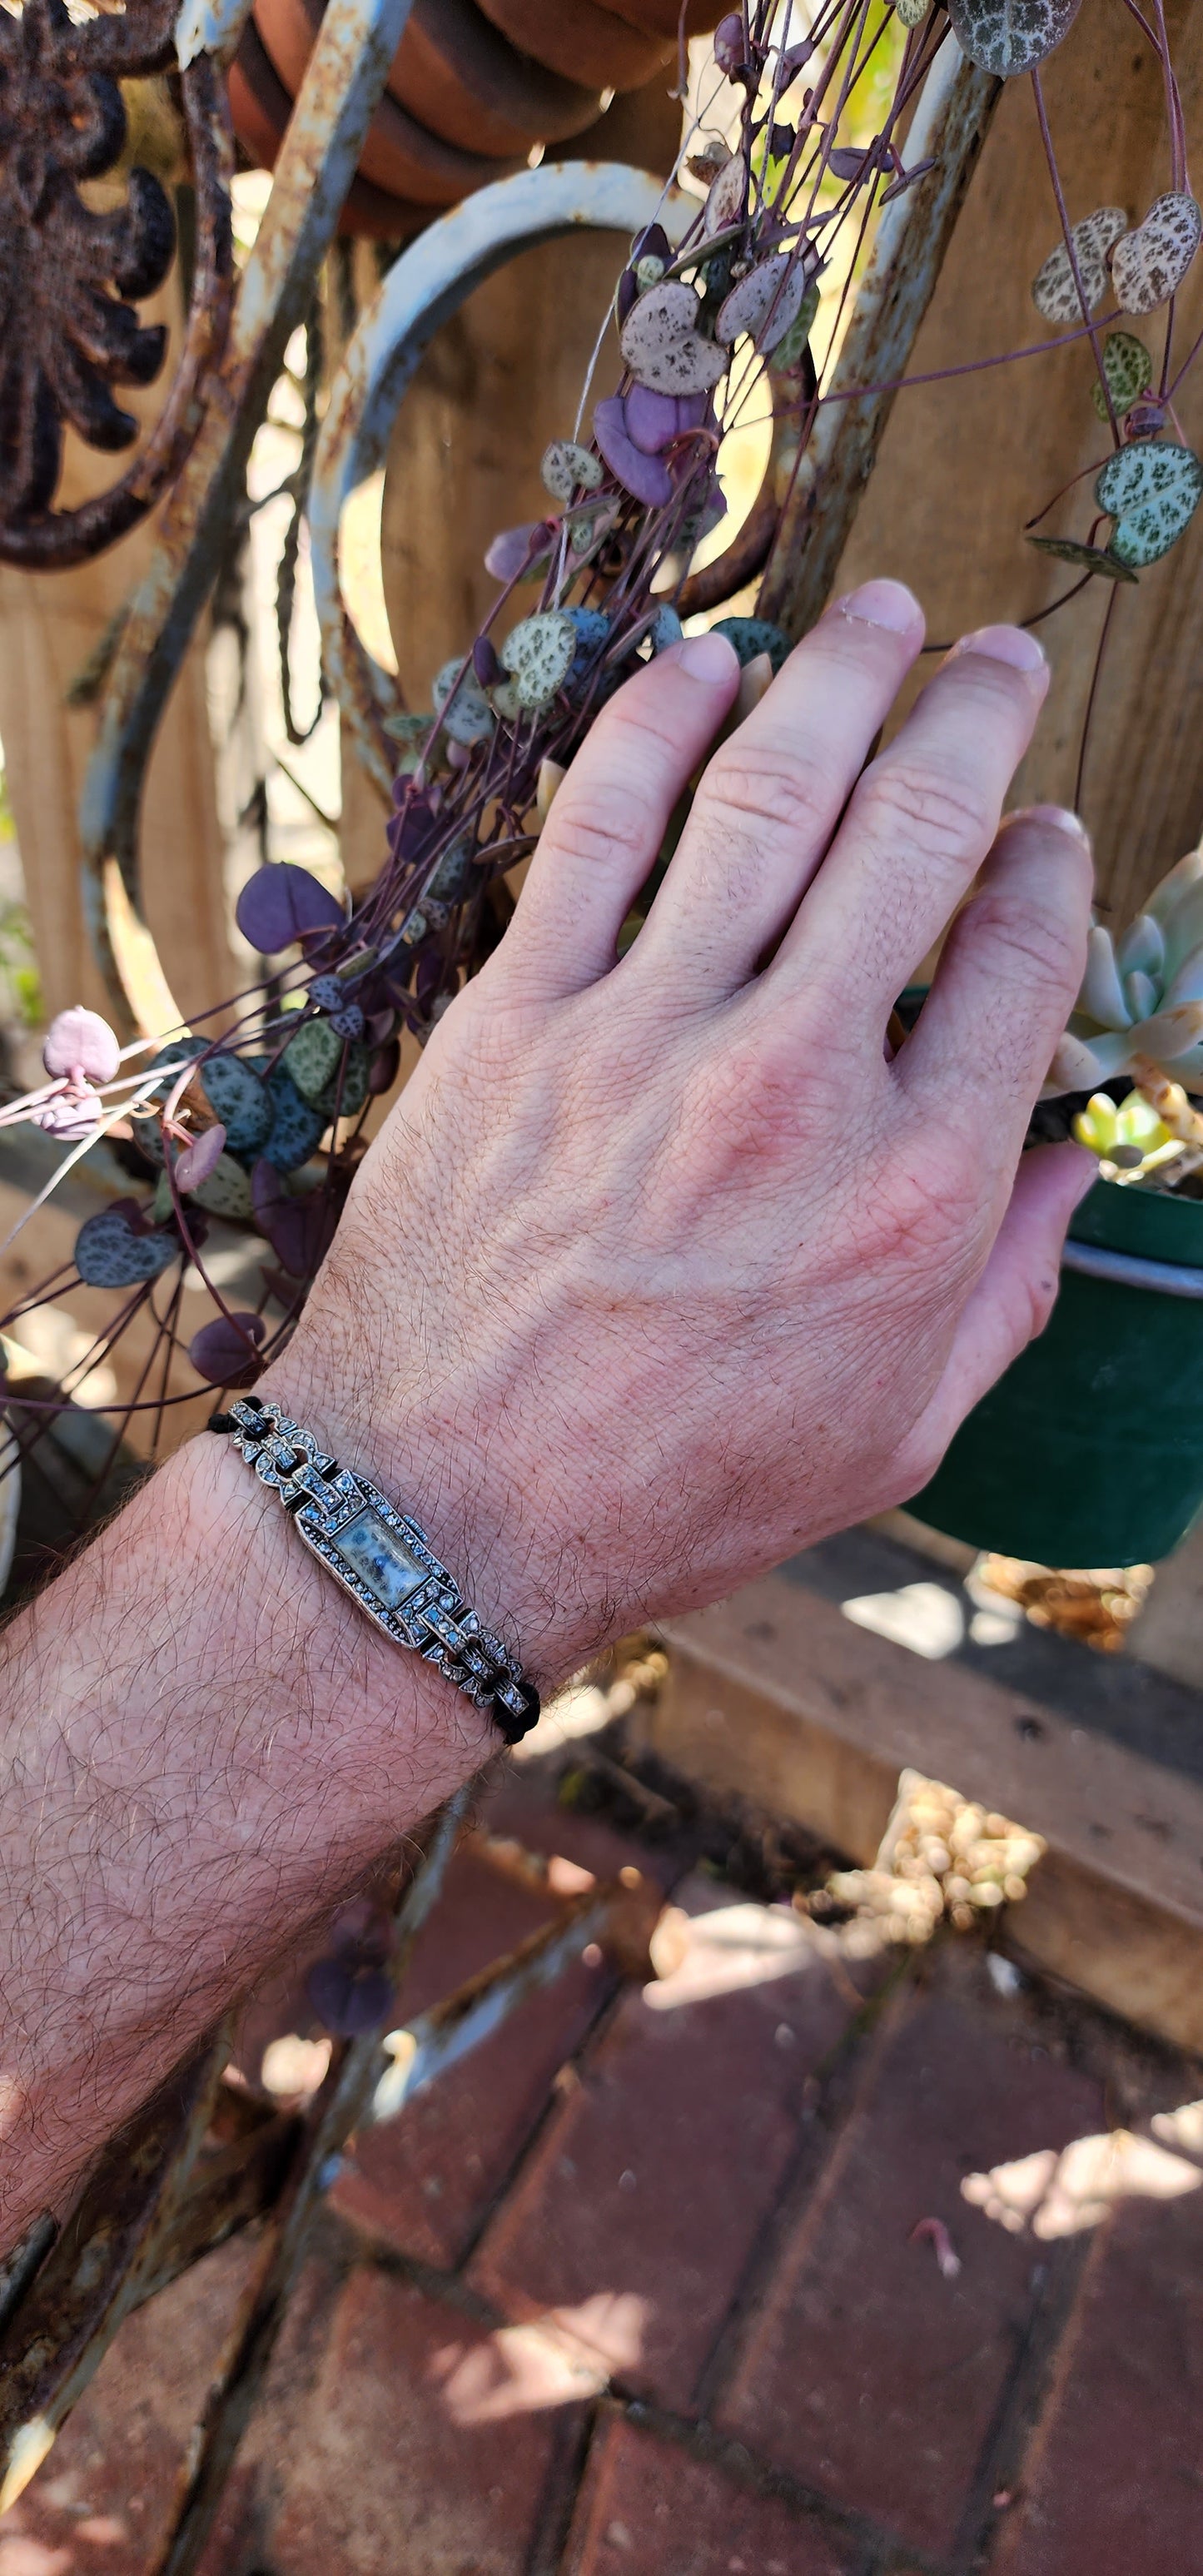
(963, 464)
(50, 625)
(776, 1698)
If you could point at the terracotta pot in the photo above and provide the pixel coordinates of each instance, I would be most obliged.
(662, 17)
(460, 76)
(581, 40)
(399, 154)
(261, 107)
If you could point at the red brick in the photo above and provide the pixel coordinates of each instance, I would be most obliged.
(867, 2374)
(635, 2215)
(104, 2493)
(1115, 2479)
(424, 2182)
(648, 2509)
(429, 2444)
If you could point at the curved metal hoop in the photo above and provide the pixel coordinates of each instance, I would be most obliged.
(423, 288)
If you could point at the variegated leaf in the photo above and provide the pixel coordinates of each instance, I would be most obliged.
(1054, 292)
(1009, 36)
(1149, 264)
(539, 654)
(663, 347)
(1128, 368)
(568, 468)
(765, 304)
(1151, 490)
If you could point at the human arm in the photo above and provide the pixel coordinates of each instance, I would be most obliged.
(657, 1271)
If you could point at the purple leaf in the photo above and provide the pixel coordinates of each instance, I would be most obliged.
(281, 904)
(643, 476)
(848, 161)
(730, 49)
(652, 243)
(300, 1228)
(625, 294)
(518, 551)
(197, 1162)
(384, 1068)
(79, 1041)
(651, 419)
(348, 1997)
(485, 663)
(226, 1351)
(796, 60)
(69, 1116)
(381, 1026)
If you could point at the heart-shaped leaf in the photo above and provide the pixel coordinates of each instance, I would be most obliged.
(226, 1191)
(461, 702)
(195, 1162)
(1089, 558)
(297, 1126)
(1128, 368)
(765, 304)
(1152, 491)
(538, 654)
(239, 1097)
(1149, 264)
(752, 636)
(645, 477)
(518, 553)
(1054, 293)
(108, 1253)
(311, 1057)
(79, 1041)
(651, 419)
(299, 1225)
(662, 345)
(789, 349)
(1009, 36)
(569, 468)
(226, 1351)
(281, 904)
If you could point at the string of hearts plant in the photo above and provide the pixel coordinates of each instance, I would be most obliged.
(256, 1117)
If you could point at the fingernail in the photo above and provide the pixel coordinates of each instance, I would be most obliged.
(707, 657)
(1059, 816)
(883, 603)
(1010, 644)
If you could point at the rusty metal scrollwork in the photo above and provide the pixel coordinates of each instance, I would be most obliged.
(72, 274)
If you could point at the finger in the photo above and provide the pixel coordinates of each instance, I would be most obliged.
(1006, 983)
(602, 836)
(919, 824)
(1015, 1295)
(773, 792)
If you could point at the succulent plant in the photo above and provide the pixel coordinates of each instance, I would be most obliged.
(1142, 995)
(1128, 1136)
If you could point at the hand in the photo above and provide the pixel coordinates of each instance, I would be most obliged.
(661, 1269)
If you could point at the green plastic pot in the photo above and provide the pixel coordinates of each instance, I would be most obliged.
(1090, 1450)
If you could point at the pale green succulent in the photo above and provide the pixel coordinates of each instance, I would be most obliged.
(1142, 994)
(1129, 1137)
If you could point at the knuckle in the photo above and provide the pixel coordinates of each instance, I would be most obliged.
(783, 790)
(1047, 948)
(597, 830)
(929, 809)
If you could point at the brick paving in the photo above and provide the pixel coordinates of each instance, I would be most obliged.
(784, 2266)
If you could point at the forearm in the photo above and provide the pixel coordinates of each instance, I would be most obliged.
(204, 1745)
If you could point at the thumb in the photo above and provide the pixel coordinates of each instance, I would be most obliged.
(1017, 1290)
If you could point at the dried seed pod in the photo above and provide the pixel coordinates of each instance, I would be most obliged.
(538, 654)
(765, 304)
(1088, 558)
(728, 196)
(1009, 36)
(1149, 264)
(1152, 491)
(1054, 292)
(569, 468)
(1128, 367)
(663, 346)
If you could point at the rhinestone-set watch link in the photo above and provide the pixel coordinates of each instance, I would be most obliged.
(382, 1558)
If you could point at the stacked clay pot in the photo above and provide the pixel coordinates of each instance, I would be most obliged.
(475, 85)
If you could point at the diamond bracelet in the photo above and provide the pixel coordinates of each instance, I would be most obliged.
(383, 1559)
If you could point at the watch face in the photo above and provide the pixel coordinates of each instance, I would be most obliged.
(381, 1559)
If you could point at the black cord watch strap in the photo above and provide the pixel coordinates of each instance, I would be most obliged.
(382, 1558)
